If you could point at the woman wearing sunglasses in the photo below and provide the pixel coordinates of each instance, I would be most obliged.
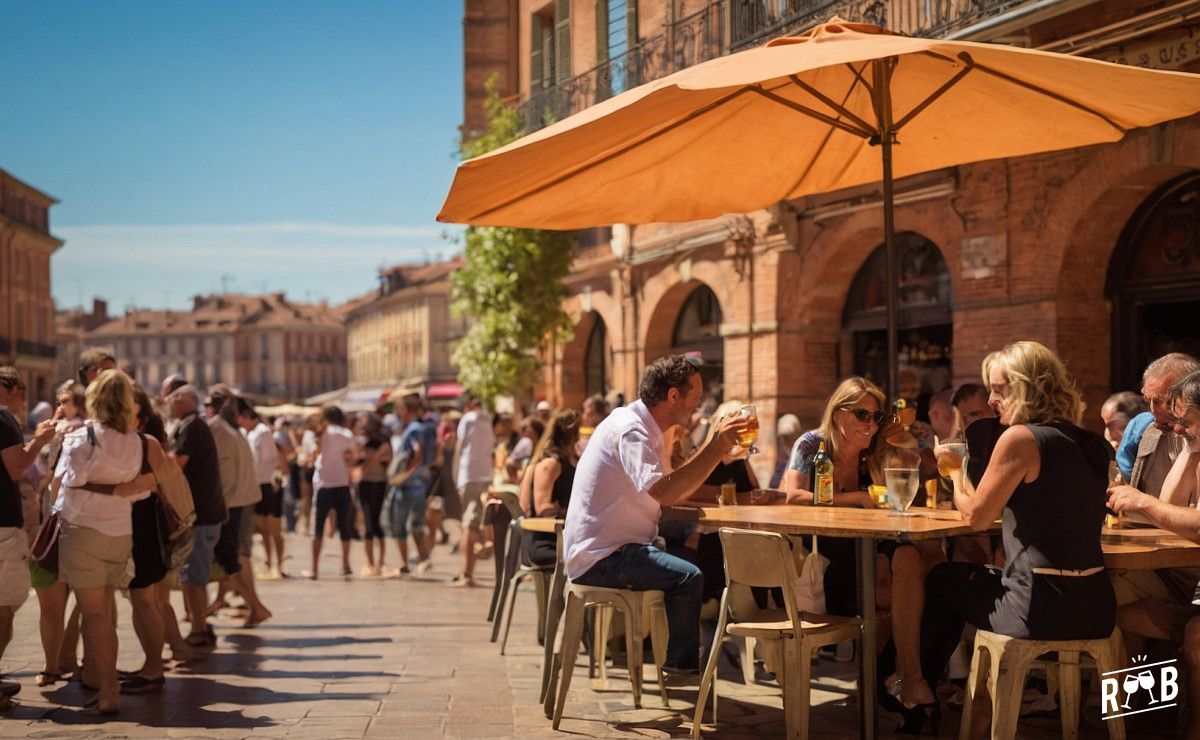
(850, 428)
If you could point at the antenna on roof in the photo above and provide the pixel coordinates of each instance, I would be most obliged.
(226, 279)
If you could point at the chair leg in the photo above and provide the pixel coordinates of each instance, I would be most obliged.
(602, 615)
(1006, 696)
(1111, 658)
(633, 646)
(540, 593)
(501, 561)
(746, 656)
(975, 681)
(659, 634)
(709, 679)
(572, 630)
(794, 679)
(1068, 693)
(504, 574)
(513, 587)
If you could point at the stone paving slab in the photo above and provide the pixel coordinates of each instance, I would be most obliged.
(412, 658)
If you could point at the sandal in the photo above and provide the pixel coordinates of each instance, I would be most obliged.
(47, 678)
(201, 640)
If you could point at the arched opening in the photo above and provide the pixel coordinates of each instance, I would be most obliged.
(697, 334)
(925, 318)
(1154, 281)
(595, 360)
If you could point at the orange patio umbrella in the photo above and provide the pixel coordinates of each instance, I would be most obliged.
(808, 114)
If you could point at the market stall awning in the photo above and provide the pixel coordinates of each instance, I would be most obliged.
(351, 399)
(444, 390)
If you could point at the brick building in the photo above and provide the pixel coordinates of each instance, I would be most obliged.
(1093, 251)
(26, 306)
(402, 333)
(266, 346)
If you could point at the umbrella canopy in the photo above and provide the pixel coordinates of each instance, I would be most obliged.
(800, 116)
(808, 114)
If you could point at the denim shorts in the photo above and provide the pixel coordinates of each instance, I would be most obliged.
(199, 564)
(406, 504)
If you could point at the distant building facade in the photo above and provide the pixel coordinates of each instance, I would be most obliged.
(26, 306)
(266, 346)
(71, 327)
(402, 334)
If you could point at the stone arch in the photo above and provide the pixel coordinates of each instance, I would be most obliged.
(663, 322)
(604, 310)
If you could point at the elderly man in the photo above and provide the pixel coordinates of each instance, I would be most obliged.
(193, 448)
(971, 401)
(1175, 618)
(1158, 446)
(623, 479)
(92, 362)
(1116, 412)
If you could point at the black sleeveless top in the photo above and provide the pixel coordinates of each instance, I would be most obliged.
(1054, 523)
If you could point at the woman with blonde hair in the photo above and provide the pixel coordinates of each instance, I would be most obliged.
(1047, 479)
(95, 544)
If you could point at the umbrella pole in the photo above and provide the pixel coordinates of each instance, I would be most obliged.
(880, 88)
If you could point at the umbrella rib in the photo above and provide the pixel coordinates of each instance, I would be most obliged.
(618, 152)
(841, 109)
(1037, 89)
(822, 117)
(932, 97)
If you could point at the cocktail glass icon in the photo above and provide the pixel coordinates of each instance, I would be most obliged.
(1130, 684)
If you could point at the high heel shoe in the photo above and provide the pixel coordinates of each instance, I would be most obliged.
(918, 718)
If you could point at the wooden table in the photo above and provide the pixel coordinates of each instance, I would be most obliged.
(866, 527)
(1140, 548)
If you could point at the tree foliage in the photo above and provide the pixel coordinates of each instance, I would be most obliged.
(511, 287)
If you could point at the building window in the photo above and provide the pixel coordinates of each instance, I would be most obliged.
(925, 324)
(616, 38)
(550, 56)
(698, 335)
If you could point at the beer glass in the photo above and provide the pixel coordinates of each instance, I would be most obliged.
(749, 434)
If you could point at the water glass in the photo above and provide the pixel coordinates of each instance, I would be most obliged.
(902, 485)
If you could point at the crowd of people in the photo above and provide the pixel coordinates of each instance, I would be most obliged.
(100, 464)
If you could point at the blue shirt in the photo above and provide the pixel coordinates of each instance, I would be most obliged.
(1130, 439)
(420, 432)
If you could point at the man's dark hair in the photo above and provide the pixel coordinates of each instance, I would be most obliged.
(413, 403)
(599, 404)
(965, 391)
(665, 373)
(245, 409)
(1188, 389)
(1127, 404)
(334, 415)
(9, 377)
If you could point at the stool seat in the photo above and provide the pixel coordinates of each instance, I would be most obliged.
(999, 664)
(845, 628)
(633, 604)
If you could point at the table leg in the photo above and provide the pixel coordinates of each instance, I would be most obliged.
(554, 610)
(867, 716)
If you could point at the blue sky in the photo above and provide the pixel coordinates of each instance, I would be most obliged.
(259, 145)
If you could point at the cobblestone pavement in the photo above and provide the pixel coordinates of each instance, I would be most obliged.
(406, 658)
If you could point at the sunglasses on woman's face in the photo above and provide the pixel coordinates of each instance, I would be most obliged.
(875, 417)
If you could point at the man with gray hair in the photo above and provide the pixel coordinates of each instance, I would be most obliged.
(1159, 445)
(194, 450)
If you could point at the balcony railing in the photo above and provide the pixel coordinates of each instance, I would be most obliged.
(726, 26)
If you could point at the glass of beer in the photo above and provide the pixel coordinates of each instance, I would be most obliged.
(749, 434)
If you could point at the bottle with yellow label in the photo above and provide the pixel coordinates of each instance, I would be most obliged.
(822, 478)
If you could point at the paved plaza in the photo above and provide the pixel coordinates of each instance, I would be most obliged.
(399, 659)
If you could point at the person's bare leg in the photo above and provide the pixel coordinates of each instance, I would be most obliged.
(180, 650)
(470, 536)
(317, 539)
(275, 532)
(424, 542)
(68, 654)
(433, 517)
(245, 579)
(1149, 618)
(402, 549)
(908, 601)
(52, 605)
(369, 551)
(148, 625)
(100, 644)
(345, 557)
(6, 627)
(197, 599)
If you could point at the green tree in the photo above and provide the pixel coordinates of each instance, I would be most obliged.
(511, 287)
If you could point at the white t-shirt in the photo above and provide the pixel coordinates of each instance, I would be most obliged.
(115, 458)
(236, 460)
(610, 502)
(266, 456)
(475, 462)
(331, 470)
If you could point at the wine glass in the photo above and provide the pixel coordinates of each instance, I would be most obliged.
(749, 433)
(1130, 684)
(1146, 680)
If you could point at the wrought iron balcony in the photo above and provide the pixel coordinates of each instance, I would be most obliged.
(726, 26)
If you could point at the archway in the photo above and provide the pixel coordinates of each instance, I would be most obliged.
(596, 365)
(697, 333)
(1154, 281)
(925, 318)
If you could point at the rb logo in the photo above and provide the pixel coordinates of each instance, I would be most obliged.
(1158, 683)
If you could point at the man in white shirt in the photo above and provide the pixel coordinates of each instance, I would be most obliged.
(335, 451)
(622, 481)
(473, 460)
(269, 511)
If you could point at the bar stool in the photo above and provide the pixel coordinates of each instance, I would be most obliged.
(1003, 677)
(540, 575)
(508, 497)
(632, 605)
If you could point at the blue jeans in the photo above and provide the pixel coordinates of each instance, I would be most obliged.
(406, 504)
(647, 568)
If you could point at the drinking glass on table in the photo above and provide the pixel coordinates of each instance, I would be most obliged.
(902, 476)
(749, 434)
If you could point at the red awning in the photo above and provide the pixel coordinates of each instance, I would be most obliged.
(444, 390)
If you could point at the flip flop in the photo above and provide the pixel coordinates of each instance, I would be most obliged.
(46, 678)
